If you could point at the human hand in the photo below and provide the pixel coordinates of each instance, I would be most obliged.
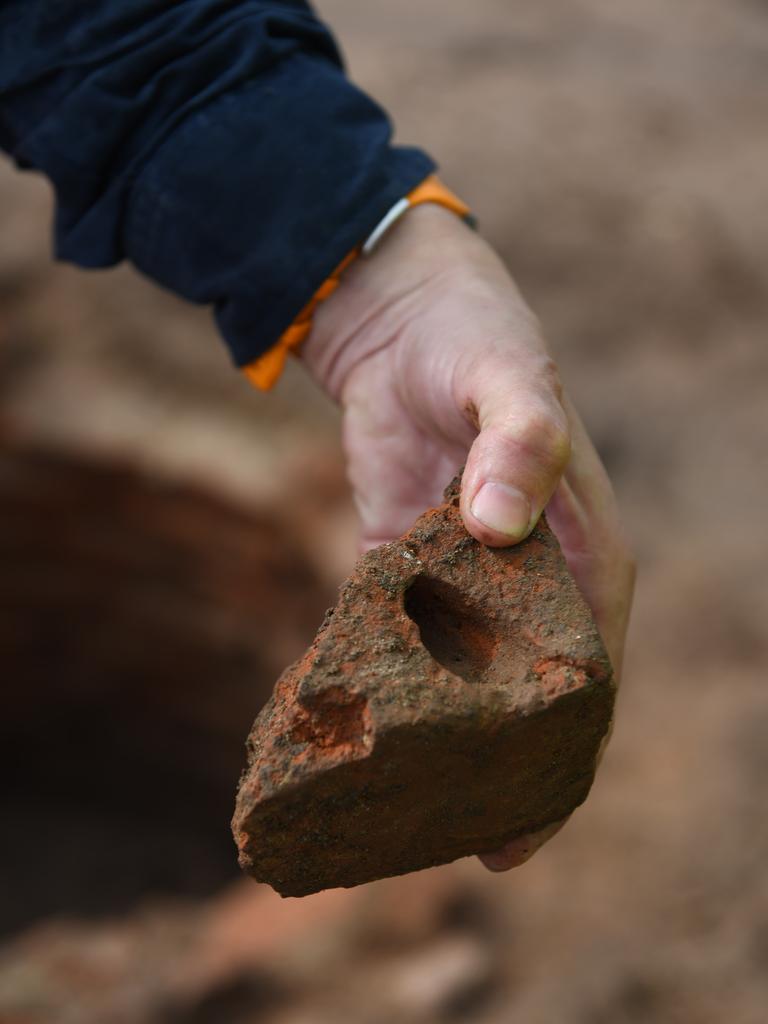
(438, 362)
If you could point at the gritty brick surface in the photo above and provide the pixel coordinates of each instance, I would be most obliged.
(454, 699)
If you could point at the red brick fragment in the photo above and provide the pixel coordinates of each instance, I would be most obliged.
(454, 699)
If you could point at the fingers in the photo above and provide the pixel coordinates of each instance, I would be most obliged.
(521, 451)
(584, 516)
(518, 851)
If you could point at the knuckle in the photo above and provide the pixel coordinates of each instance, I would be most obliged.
(551, 381)
(545, 435)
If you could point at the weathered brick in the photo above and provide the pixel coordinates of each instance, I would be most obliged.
(454, 699)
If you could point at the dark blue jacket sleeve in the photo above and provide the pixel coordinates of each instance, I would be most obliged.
(218, 145)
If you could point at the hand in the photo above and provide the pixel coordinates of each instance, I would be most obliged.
(438, 362)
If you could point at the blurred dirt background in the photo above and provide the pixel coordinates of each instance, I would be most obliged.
(169, 540)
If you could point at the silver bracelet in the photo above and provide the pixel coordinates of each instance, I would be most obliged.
(387, 221)
(391, 218)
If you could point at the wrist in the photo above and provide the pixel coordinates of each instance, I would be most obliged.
(379, 294)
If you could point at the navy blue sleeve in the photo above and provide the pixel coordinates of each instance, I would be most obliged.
(217, 145)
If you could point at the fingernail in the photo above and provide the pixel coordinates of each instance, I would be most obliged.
(502, 508)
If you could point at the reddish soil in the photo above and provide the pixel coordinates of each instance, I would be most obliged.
(616, 153)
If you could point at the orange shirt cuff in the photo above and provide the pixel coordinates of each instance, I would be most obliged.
(265, 371)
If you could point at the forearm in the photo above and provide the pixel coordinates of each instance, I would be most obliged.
(218, 146)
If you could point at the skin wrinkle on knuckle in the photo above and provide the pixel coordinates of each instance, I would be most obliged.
(551, 379)
(529, 374)
(541, 437)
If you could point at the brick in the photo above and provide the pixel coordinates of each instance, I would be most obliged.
(454, 699)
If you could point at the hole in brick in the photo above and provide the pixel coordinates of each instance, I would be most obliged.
(455, 634)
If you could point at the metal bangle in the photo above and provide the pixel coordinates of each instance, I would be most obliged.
(387, 221)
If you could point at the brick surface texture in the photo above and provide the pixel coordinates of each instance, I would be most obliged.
(455, 698)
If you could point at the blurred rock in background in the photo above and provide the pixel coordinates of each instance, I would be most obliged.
(169, 540)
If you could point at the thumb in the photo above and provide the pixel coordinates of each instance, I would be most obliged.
(519, 454)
